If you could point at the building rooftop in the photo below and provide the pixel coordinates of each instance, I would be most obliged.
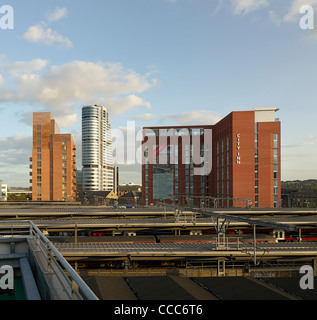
(40, 272)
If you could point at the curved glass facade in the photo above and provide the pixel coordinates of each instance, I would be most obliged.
(97, 157)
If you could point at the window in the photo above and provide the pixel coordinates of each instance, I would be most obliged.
(275, 171)
(39, 157)
(256, 171)
(39, 171)
(39, 142)
(39, 164)
(63, 141)
(39, 134)
(64, 156)
(39, 127)
(275, 155)
(64, 148)
(275, 187)
(64, 171)
(275, 201)
(64, 186)
(39, 179)
(275, 140)
(202, 150)
(39, 186)
(64, 163)
(256, 186)
(39, 149)
(256, 140)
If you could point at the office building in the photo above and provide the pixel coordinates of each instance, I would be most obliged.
(236, 162)
(3, 191)
(97, 160)
(53, 161)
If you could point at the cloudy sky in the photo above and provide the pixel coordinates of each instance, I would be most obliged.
(154, 62)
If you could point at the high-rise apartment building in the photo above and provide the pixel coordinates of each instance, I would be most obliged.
(97, 159)
(53, 161)
(236, 160)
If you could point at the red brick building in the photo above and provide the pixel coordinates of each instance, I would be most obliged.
(236, 162)
(53, 161)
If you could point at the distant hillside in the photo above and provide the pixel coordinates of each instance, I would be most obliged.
(300, 186)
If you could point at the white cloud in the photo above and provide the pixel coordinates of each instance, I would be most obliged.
(247, 6)
(14, 159)
(274, 18)
(40, 33)
(19, 67)
(61, 89)
(196, 117)
(57, 14)
(302, 144)
(144, 117)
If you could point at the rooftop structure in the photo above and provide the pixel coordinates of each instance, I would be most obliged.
(38, 270)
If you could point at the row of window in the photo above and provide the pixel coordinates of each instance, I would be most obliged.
(39, 186)
(275, 169)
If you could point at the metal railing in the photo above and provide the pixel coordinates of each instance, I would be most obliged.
(73, 285)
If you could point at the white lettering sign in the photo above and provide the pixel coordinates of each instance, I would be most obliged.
(238, 148)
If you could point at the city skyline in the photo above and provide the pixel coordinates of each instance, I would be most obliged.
(163, 62)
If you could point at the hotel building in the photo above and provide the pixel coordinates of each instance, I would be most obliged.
(236, 162)
(53, 161)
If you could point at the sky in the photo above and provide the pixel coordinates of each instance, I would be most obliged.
(157, 62)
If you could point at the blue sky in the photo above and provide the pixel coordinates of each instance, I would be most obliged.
(157, 62)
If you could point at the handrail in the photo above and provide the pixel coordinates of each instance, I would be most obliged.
(50, 251)
(89, 294)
